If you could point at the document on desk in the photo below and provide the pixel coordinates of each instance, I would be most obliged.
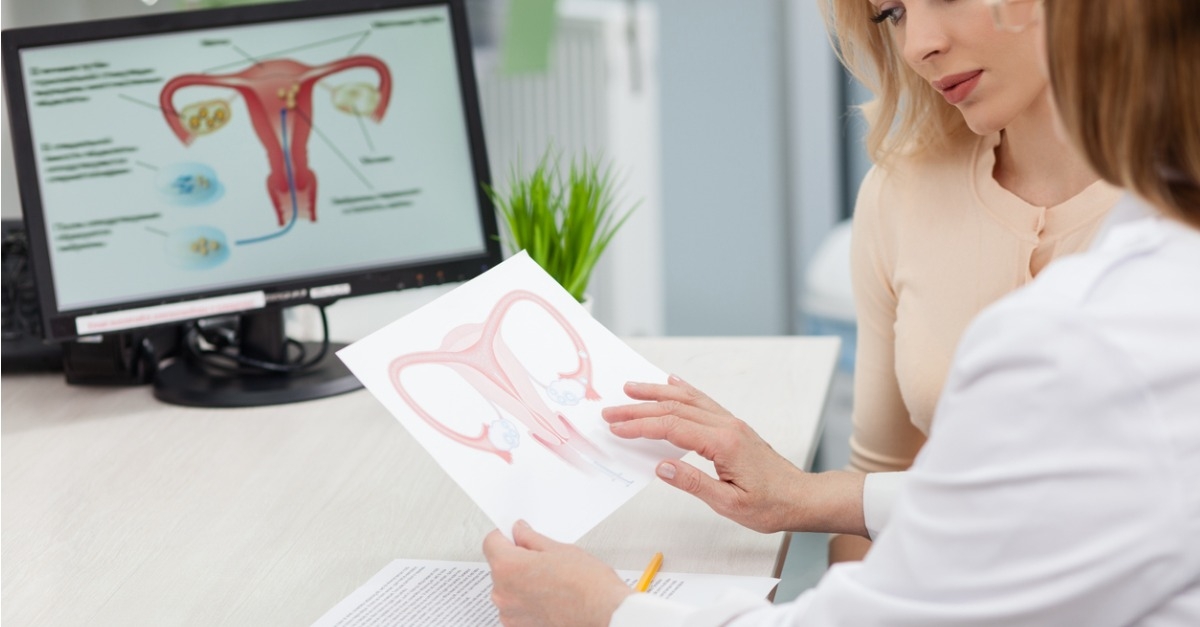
(425, 593)
(502, 380)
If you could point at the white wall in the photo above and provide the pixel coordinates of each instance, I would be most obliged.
(724, 196)
(752, 161)
(815, 134)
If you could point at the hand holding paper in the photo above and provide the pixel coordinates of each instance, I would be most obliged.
(538, 581)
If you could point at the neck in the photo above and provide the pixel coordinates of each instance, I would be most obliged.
(1035, 163)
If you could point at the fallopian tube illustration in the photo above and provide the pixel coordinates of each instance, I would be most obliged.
(278, 94)
(477, 353)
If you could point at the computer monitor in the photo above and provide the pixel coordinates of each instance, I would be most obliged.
(200, 165)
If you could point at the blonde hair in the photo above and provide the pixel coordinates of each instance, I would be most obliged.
(1126, 77)
(907, 115)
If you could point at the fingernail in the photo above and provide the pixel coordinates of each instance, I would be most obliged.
(666, 471)
(674, 379)
(522, 524)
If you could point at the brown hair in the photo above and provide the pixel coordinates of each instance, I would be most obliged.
(907, 115)
(1126, 77)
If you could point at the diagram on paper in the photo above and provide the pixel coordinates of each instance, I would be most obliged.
(502, 381)
(478, 353)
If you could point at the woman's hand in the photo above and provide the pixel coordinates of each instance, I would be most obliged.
(755, 486)
(537, 581)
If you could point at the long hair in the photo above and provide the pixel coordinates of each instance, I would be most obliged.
(1126, 77)
(907, 115)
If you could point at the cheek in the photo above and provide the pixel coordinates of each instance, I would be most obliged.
(1026, 81)
(1024, 54)
(1042, 57)
(1020, 71)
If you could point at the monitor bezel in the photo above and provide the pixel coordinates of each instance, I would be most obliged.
(60, 324)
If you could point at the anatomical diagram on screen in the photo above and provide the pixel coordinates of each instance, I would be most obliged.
(278, 94)
(246, 154)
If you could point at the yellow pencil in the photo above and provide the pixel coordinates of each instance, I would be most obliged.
(643, 584)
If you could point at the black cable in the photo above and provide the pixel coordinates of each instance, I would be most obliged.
(17, 283)
(241, 364)
(147, 360)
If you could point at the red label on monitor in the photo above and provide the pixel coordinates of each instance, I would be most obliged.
(162, 314)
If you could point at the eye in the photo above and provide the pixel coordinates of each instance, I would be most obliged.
(890, 14)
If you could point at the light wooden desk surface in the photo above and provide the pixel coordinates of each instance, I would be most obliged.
(119, 510)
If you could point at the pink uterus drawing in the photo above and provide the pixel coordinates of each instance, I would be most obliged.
(477, 353)
(278, 95)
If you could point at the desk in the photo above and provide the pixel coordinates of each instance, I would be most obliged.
(118, 510)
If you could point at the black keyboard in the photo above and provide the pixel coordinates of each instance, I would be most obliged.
(23, 348)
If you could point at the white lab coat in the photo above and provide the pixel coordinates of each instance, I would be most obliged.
(1060, 485)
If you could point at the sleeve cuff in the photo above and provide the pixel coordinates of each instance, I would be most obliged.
(880, 492)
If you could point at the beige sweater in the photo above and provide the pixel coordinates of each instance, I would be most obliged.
(935, 240)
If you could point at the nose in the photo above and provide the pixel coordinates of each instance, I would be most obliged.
(925, 34)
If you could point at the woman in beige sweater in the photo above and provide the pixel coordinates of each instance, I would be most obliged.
(972, 194)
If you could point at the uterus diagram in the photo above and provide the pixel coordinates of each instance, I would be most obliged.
(278, 94)
(477, 352)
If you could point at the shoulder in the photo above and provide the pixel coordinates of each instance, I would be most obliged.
(919, 169)
(919, 183)
(900, 200)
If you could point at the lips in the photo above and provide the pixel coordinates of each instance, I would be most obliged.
(956, 87)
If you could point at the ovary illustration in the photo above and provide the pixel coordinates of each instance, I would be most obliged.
(209, 116)
(278, 95)
(478, 353)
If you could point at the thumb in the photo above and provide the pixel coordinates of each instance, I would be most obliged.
(495, 545)
(688, 478)
(525, 537)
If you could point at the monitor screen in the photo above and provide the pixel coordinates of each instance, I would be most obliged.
(194, 164)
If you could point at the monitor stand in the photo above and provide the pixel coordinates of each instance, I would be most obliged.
(189, 381)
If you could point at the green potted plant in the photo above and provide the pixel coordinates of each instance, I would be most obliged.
(563, 223)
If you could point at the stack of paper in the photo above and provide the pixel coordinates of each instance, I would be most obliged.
(436, 594)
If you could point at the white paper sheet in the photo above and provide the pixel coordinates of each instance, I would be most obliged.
(424, 593)
(502, 381)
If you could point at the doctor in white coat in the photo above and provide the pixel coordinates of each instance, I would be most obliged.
(1061, 482)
